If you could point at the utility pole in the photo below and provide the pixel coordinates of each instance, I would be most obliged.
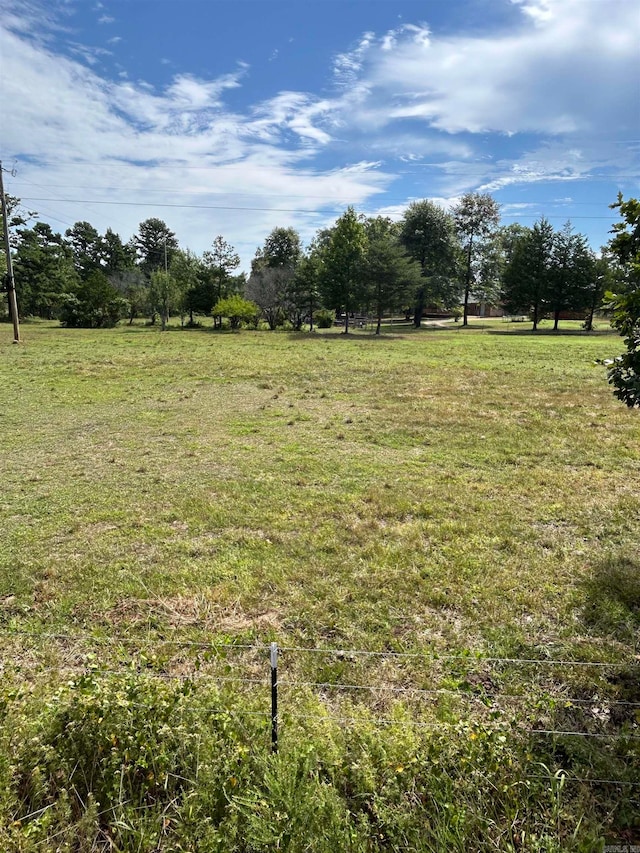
(11, 285)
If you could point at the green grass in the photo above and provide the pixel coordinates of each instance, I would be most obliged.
(448, 490)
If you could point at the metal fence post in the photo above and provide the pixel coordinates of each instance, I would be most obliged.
(274, 697)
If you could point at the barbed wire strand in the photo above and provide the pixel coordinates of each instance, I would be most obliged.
(428, 654)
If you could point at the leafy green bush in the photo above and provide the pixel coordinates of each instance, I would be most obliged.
(95, 304)
(324, 318)
(135, 762)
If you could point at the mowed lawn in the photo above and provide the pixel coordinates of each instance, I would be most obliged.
(449, 489)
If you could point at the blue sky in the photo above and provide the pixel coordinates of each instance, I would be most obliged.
(234, 116)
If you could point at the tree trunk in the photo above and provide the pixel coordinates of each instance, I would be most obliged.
(419, 308)
(588, 323)
(556, 320)
(379, 322)
(467, 284)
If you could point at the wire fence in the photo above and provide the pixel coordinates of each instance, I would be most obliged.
(277, 671)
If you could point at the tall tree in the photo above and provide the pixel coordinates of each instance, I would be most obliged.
(164, 295)
(117, 257)
(303, 294)
(342, 278)
(477, 216)
(87, 247)
(155, 244)
(219, 262)
(392, 277)
(527, 277)
(272, 273)
(572, 272)
(43, 271)
(602, 280)
(428, 234)
(282, 249)
(267, 287)
(185, 270)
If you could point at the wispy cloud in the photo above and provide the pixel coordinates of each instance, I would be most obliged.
(219, 171)
(553, 92)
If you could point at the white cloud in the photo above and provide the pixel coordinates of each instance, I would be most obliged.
(571, 66)
(556, 91)
(86, 142)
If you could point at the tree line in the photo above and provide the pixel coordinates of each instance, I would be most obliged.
(430, 259)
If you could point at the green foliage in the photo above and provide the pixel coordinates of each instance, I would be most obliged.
(94, 304)
(116, 257)
(342, 270)
(428, 234)
(391, 277)
(86, 246)
(148, 764)
(624, 371)
(573, 273)
(282, 249)
(548, 272)
(43, 270)
(324, 318)
(528, 276)
(164, 295)
(625, 244)
(237, 310)
(303, 293)
(216, 281)
(154, 244)
(477, 216)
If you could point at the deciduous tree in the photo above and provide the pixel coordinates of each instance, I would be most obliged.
(237, 310)
(527, 276)
(164, 295)
(476, 216)
(428, 234)
(572, 272)
(342, 274)
(392, 277)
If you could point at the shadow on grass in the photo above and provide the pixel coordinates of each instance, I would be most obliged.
(612, 600)
(559, 333)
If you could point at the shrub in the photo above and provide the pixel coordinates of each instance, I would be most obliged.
(324, 318)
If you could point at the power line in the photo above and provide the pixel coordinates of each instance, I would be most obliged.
(236, 194)
(250, 208)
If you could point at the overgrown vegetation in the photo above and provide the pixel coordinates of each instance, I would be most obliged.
(450, 501)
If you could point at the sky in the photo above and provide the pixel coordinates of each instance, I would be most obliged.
(233, 117)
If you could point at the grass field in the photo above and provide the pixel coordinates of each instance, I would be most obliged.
(460, 494)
